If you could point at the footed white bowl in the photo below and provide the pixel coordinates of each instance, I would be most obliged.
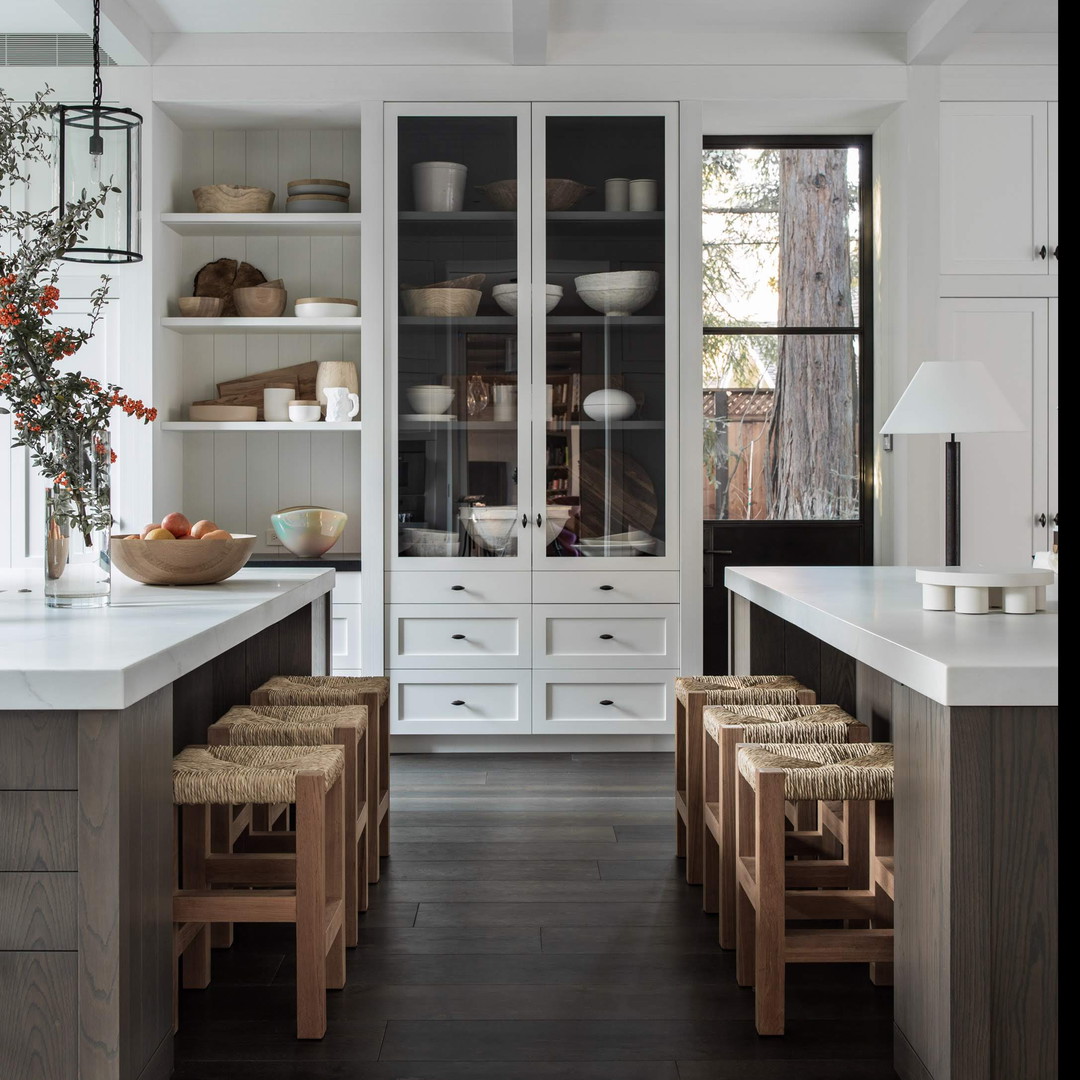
(620, 292)
(491, 527)
(428, 543)
(506, 296)
(429, 400)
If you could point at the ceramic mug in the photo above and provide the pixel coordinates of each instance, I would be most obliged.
(643, 195)
(304, 412)
(439, 186)
(617, 193)
(276, 400)
(341, 404)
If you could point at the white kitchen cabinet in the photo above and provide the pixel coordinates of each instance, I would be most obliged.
(606, 636)
(1005, 476)
(1052, 184)
(998, 207)
(345, 638)
(461, 702)
(445, 636)
(603, 703)
(459, 587)
(602, 587)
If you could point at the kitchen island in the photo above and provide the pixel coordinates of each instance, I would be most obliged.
(970, 703)
(93, 705)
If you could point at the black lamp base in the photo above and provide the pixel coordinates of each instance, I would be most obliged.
(952, 502)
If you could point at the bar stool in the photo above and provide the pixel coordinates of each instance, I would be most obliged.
(692, 694)
(371, 691)
(312, 725)
(723, 728)
(773, 890)
(309, 777)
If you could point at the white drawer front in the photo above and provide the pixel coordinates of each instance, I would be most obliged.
(597, 587)
(346, 587)
(583, 636)
(461, 702)
(481, 635)
(469, 587)
(604, 702)
(345, 636)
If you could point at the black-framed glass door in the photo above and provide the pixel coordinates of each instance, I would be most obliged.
(787, 368)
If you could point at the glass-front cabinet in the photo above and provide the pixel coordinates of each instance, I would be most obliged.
(533, 335)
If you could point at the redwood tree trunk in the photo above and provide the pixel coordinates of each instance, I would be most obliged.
(812, 468)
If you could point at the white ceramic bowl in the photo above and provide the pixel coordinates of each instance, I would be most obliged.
(506, 296)
(428, 543)
(430, 400)
(341, 188)
(491, 527)
(620, 292)
(609, 404)
(303, 412)
(619, 545)
(326, 307)
(555, 519)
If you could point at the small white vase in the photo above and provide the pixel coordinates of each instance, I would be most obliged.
(609, 404)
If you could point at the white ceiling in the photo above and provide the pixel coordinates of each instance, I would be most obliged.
(35, 17)
(1025, 17)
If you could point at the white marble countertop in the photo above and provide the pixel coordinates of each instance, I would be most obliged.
(874, 613)
(109, 658)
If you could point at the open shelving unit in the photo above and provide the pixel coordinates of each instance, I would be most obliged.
(260, 425)
(283, 324)
(263, 224)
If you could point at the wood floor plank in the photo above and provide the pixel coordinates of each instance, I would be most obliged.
(640, 869)
(431, 1070)
(432, 851)
(600, 915)
(523, 892)
(492, 870)
(508, 834)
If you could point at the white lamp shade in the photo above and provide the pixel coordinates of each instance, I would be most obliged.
(952, 396)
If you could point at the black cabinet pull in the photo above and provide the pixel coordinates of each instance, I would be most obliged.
(539, 521)
(1040, 520)
(458, 637)
(1042, 252)
(606, 637)
(1055, 251)
(457, 588)
(719, 551)
(524, 520)
(606, 588)
(458, 702)
(1054, 520)
(607, 701)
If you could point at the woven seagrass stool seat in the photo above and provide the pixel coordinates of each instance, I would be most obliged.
(775, 891)
(372, 691)
(312, 725)
(227, 888)
(724, 727)
(692, 694)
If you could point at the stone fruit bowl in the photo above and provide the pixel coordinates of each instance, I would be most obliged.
(181, 562)
(308, 531)
(619, 292)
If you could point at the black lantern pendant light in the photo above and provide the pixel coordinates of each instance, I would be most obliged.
(101, 145)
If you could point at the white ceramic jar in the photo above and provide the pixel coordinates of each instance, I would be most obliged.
(439, 186)
(276, 400)
(643, 195)
(617, 193)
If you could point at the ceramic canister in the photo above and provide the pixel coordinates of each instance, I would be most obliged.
(505, 403)
(617, 193)
(643, 195)
(276, 401)
(439, 186)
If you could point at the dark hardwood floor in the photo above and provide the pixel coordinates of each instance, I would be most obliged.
(531, 923)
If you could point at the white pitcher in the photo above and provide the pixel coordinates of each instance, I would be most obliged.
(338, 402)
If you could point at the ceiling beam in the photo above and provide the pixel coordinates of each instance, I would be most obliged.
(944, 26)
(124, 34)
(530, 32)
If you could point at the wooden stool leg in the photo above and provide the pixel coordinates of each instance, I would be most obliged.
(221, 819)
(729, 782)
(680, 776)
(195, 823)
(354, 761)
(745, 917)
(881, 846)
(364, 826)
(694, 809)
(336, 886)
(769, 967)
(374, 749)
(857, 843)
(310, 907)
(806, 816)
(710, 854)
(384, 775)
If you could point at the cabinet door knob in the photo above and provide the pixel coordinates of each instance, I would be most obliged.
(458, 702)
(458, 637)
(1054, 520)
(1041, 252)
(1055, 251)
(607, 701)
(524, 520)
(539, 521)
(457, 588)
(606, 637)
(606, 588)
(1040, 520)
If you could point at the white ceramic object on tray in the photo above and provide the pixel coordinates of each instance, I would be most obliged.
(439, 186)
(316, 204)
(341, 188)
(429, 399)
(618, 292)
(428, 543)
(609, 404)
(341, 404)
(491, 527)
(506, 296)
(975, 591)
(326, 307)
(304, 412)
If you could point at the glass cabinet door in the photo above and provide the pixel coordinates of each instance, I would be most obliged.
(605, 276)
(459, 335)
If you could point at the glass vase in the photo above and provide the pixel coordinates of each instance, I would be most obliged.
(78, 521)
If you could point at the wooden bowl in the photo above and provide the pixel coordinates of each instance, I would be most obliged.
(502, 194)
(232, 199)
(200, 307)
(260, 301)
(441, 303)
(181, 562)
(222, 414)
(558, 194)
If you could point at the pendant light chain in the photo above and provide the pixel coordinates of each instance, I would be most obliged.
(97, 54)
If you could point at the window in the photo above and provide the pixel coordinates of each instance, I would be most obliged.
(786, 347)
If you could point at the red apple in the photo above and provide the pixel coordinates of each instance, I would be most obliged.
(147, 529)
(201, 528)
(176, 523)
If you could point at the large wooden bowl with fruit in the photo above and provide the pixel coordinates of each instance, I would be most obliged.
(179, 553)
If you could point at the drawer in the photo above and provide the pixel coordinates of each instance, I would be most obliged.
(462, 702)
(596, 587)
(345, 636)
(587, 636)
(604, 703)
(38, 830)
(346, 588)
(481, 635)
(468, 587)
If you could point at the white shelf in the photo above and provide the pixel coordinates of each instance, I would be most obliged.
(284, 324)
(259, 425)
(263, 224)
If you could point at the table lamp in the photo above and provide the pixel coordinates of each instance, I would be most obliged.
(953, 396)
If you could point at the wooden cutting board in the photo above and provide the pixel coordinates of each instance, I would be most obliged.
(249, 390)
(632, 495)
